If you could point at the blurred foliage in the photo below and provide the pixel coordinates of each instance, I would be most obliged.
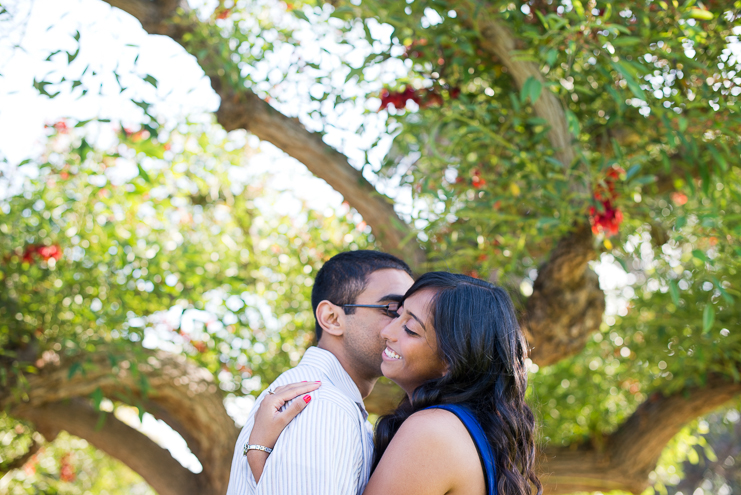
(68, 466)
(158, 241)
(180, 252)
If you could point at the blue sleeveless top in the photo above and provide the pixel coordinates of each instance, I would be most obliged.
(486, 454)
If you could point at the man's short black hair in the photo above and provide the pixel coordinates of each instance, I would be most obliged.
(345, 276)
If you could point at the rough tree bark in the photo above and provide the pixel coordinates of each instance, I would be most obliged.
(184, 396)
(169, 386)
(626, 457)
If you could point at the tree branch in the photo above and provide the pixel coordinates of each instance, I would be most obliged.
(567, 305)
(163, 473)
(626, 457)
(498, 41)
(175, 390)
(242, 109)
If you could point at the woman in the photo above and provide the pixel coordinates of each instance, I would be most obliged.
(464, 428)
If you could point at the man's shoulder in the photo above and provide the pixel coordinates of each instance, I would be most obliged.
(330, 396)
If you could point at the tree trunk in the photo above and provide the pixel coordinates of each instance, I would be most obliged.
(168, 386)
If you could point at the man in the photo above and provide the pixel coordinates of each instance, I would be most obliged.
(328, 449)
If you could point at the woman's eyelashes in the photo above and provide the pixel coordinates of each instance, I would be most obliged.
(406, 329)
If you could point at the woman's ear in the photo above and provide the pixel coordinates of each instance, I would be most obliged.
(331, 318)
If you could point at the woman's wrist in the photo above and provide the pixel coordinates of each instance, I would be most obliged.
(261, 441)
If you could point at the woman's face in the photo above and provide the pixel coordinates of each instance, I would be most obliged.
(410, 357)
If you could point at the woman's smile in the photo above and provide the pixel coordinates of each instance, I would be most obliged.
(390, 355)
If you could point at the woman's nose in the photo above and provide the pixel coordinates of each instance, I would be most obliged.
(387, 331)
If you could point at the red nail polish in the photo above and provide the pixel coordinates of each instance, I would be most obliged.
(318, 381)
(307, 398)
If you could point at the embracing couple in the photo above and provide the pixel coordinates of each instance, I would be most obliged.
(451, 342)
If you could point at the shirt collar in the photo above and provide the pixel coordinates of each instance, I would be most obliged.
(330, 366)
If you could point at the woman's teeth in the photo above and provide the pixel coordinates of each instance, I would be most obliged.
(391, 354)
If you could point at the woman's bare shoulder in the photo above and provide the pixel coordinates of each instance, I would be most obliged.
(437, 428)
(442, 452)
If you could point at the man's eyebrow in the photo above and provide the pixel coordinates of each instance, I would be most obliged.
(392, 297)
(418, 320)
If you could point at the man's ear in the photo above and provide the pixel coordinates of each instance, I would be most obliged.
(331, 318)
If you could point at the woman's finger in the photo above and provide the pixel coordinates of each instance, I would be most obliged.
(296, 407)
(293, 390)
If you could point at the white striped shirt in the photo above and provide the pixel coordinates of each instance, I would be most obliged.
(327, 449)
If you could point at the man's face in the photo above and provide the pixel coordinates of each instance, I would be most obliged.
(363, 342)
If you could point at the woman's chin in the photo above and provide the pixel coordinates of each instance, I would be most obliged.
(388, 369)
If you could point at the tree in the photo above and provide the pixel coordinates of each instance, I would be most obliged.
(535, 139)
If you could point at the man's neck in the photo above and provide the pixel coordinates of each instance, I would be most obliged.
(364, 383)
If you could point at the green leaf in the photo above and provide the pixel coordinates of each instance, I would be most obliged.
(700, 255)
(542, 20)
(578, 7)
(41, 88)
(531, 89)
(72, 56)
(708, 318)
(151, 80)
(101, 420)
(551, 57)
(300, 14)
(723, 292)
(718, 158)
(573, 122)
(97, 397)
(74, 369)
(704, 15)
(625, 41)
(674, 291)
(143, 173)
(633, 85)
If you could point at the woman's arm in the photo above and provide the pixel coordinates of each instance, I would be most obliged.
(431, 454)
(270, 421)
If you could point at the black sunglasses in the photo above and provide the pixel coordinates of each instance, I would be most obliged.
(391, 309)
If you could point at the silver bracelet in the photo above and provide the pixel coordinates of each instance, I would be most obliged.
(257, 447)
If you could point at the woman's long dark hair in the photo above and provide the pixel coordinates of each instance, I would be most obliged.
(478, 337)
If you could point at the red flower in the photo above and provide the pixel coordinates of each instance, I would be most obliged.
(28, 254)
(66, 471)
(45, 252)
(431, 98)
(679, 198)
(607, 221)
(61, 127)
(398, 99)
(48, 252)
(224, 14)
